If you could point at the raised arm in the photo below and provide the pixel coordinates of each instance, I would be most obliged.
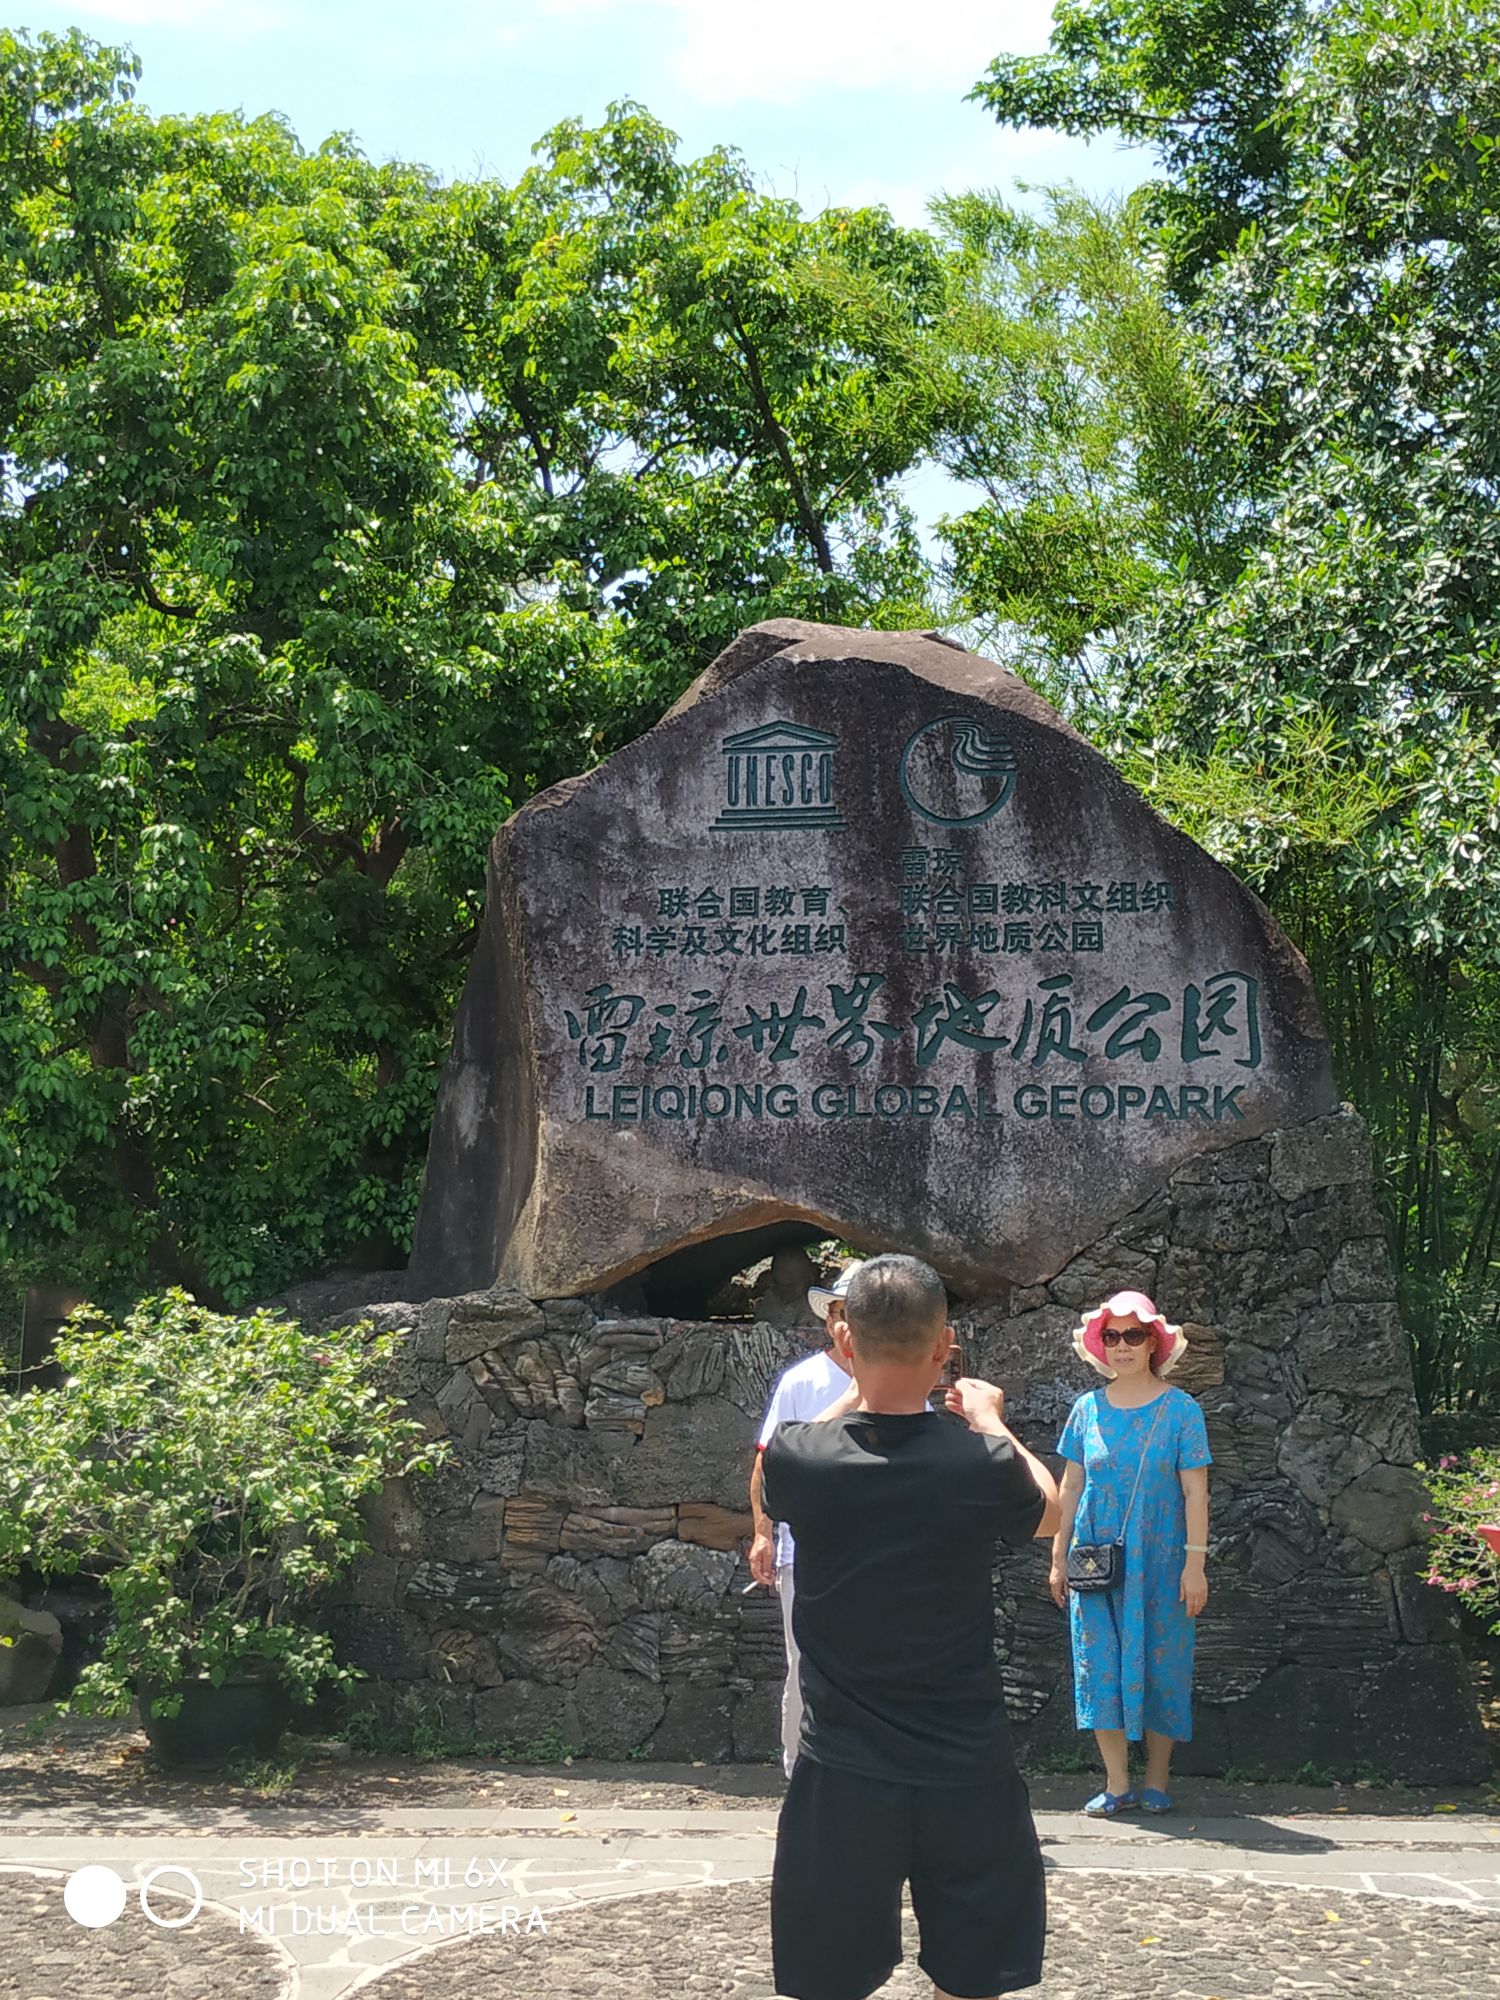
(982, 1407)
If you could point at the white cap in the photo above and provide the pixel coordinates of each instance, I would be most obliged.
(821, 1297)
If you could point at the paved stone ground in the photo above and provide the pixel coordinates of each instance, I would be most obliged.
(1110, 1938)
(45, 1955)
(647, 1904)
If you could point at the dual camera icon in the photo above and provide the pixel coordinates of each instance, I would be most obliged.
(95, 1896)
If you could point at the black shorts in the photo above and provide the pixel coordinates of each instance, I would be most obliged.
(846, 1844)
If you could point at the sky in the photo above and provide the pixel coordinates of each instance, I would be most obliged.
(833, 102)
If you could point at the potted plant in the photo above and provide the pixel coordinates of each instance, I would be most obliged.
(206, 1468)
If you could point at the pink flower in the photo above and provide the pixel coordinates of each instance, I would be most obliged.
(1447, 1462)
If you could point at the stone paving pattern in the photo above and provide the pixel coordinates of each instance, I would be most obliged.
(46, 1956)
(1110, 1938)
(645, 1901)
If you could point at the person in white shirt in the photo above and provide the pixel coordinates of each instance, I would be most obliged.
(802, 1392)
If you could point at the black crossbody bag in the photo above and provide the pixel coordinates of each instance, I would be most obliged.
(1101, 1565)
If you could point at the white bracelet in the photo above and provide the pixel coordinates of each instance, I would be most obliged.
(1196, 1548)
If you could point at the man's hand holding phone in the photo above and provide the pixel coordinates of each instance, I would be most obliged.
(980, 1404)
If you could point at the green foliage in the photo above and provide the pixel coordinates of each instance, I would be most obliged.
(1321, 1775)
(1202, 82)
(1062, 1759)
(417, 1727)
(1087, 418)
(340, 510)
(1465, 1497)
(267, 1777)
(1313, 687)
(549, 1747)
(207, 1470)
(1357, 327)
(1313, 801)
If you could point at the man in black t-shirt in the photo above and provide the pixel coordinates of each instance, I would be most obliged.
(905, 1771)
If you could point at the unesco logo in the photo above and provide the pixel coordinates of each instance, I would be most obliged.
(778, 775)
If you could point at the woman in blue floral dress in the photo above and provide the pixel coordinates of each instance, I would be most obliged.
(1133, 1645)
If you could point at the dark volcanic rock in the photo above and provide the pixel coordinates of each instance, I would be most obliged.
(1423, 1612)
(1421, 1723)
(861, 937)
(699, 1723)
(517, 1713)
(618, 1711)
(1383, 1508)
(757, 1725)
(32, 1646)
(1297, 1716)
(690, 1451)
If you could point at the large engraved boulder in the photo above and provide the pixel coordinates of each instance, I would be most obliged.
(861, 938)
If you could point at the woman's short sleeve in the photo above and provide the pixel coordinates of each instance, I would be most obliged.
(1192, 1435)
(1070, 1444)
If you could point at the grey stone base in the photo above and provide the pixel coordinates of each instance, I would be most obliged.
(578, 1569)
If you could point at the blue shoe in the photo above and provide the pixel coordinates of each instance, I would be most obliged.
(1154, 1801)
(1104, 1805)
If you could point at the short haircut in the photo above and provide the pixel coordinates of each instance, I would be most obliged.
(895, 1307)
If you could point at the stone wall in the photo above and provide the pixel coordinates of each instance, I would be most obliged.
(579, 1567)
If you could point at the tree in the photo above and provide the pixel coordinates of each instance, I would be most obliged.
(1089, 420)
(339, 510)
(1358, 325)
(699, 399)
(1326, 713)
(1202, 82)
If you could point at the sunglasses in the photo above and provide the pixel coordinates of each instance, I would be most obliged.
(1133, 1336)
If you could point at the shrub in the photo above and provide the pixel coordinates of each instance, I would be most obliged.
(1465, 1498)
(207, 1470)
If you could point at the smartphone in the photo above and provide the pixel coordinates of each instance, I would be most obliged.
(955, 1366)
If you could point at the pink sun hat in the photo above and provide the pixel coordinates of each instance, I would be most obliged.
(1088, 1335)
